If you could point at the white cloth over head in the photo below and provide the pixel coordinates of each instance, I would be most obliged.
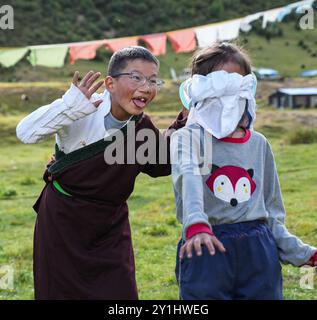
(218, 101)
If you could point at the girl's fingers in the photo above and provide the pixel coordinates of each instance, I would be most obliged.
(75, 78)
(92, 79)
(210, 247)
(197, 246)
(218, 244)
(95, 87)
(189, 249)
(181, 251)
(86, 78)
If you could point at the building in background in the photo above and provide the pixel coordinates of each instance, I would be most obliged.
(294, 98)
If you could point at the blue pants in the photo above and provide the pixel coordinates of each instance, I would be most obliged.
(249, 269)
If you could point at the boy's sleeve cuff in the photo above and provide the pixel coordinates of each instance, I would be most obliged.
(77, 102)
(198, 228)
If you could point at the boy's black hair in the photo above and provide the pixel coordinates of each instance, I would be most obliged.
(120, 59)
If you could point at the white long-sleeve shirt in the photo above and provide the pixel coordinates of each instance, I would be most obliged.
(73, 118)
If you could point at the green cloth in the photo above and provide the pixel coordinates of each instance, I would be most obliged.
(9, 58)
(60, 189)
(48, 56)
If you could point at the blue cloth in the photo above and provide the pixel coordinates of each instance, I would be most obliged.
(250, 268)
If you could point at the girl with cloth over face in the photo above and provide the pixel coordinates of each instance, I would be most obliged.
(227, 190)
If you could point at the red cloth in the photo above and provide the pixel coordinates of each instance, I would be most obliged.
(83, 51)
(182, 40)
(117, 44)
(198, 228)
(313, 259)
(156, 43)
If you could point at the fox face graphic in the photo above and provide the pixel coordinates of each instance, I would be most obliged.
(231, 184)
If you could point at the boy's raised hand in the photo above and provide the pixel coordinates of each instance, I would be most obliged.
(86, 83)
(197, 241)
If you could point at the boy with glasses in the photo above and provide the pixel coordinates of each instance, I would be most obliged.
(82, 239)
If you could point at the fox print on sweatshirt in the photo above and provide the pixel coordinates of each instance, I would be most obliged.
(240, 184)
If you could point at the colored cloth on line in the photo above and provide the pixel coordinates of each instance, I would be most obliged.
(229, 30)
(283, 13)
(248, 270)
(53, 57)
(116, 44)
(83, 51)
(182, 40)
(270, 16)
(304, 6)
(11, 57)
(245, 25)
(299, 7)
(156, 43)
(207, 35)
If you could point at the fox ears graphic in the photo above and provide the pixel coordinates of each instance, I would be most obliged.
(249, 171)
(231, 184)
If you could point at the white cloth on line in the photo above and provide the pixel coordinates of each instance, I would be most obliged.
(229, 30)
(270, 16)
(245, 25)
(206, 35)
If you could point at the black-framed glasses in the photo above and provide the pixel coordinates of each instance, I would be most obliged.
(138, 79)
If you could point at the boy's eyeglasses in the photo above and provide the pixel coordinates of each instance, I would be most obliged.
(138, 79)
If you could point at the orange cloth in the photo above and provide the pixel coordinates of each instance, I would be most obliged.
(83, 51)
(117, 44)
(156, 43)
(182, 40)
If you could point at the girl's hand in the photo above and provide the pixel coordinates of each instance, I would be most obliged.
(197, 241)
(86, 83)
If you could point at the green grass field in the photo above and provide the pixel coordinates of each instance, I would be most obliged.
(152, 210)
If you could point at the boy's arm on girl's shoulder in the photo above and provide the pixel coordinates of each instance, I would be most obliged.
(291, 249)
(161, 166)
(178, 123)
(49, 119)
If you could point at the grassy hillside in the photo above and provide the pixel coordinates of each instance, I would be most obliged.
(58, 21)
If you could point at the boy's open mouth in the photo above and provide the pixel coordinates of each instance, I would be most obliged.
(140, 102)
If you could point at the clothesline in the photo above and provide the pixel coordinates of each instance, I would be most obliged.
(183, 40)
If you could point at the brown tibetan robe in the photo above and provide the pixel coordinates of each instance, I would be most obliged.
(82, 237)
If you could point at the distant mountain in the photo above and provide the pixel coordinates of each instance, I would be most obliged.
(58, 21)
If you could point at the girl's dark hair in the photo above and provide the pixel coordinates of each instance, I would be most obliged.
(212, 58)
(120, 59)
